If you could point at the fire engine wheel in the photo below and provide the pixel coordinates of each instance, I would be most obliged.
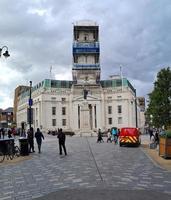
(138, 144)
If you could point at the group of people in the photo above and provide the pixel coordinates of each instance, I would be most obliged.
(30, 135)
(39, 137)
(10, 133)
(112, 135)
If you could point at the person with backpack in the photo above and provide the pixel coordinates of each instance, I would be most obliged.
(61, 138)
(115, 135)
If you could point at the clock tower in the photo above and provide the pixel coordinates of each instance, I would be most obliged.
(86, 53)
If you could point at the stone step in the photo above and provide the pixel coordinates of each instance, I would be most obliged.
(87, 133)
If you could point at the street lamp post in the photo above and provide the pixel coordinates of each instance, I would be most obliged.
(6, 53)
(30, 104)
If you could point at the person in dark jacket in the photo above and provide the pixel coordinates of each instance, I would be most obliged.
(99, 136)
(151, 133)
(156, 137)
(61, 138)
(39, 136)
(3, 133)
(31, 139)
(9, 133)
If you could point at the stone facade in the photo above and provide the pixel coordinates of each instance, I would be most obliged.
(63, 106)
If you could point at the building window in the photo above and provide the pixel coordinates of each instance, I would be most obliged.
(53, 122)
(63, 99)
(119, 109)
(86, 37)
(63, 122)
(53, 110)
(118, 82)
(109, 109)
(63, 110)
(119, 120)
(110, 121)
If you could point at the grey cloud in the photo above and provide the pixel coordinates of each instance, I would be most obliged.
(134, 34)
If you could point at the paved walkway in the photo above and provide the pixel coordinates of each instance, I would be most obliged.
(90, 169)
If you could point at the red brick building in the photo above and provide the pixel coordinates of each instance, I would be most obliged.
(6, 117)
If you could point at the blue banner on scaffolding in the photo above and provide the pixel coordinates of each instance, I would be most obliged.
(86, 50)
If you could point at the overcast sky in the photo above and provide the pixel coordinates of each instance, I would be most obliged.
(135, 34)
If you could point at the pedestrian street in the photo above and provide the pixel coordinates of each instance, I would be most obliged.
(88, 165)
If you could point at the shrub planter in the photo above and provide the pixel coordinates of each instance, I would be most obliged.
(165, 146)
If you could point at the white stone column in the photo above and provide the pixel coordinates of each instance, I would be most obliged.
(103, 111)
(93, 117)
(40, 113)
(98, 116)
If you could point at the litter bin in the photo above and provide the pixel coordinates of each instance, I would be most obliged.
(23, 143)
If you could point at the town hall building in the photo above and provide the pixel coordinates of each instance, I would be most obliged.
(86, 103)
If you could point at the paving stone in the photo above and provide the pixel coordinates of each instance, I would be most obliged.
(109, 166)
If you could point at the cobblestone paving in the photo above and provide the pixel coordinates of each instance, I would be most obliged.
(87, 165)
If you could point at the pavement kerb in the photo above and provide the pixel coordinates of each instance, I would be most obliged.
(157, 160)
(152, 159)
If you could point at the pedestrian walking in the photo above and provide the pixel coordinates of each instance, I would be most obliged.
(115, 135)
(151, 133)
(13, 132)
(109, 139)
(39, 136)
(61, 139)
(99, 136)
(156, 137)
(9, 133)
(3, 133)
(31, 139)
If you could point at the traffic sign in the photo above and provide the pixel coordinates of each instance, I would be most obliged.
(30, 102)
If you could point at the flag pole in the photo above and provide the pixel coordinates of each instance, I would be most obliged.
(50, 72)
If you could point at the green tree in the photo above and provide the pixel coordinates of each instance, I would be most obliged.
(159, 109)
